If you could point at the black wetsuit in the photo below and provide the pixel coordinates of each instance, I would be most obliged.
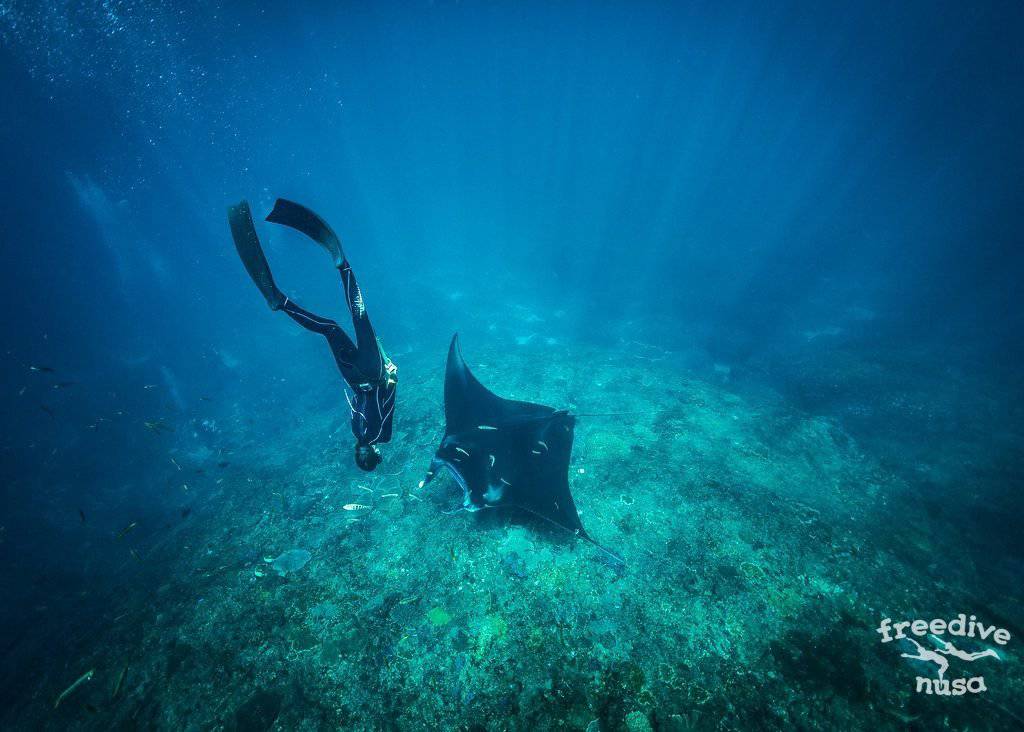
(367, 370)
(365, 367)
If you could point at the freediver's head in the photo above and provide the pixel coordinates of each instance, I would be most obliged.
(367, 456)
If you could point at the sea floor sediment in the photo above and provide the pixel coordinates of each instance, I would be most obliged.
(763, 544)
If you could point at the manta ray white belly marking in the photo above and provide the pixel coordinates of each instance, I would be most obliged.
(494, 493)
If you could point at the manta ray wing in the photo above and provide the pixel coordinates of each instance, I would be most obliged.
(504, 452)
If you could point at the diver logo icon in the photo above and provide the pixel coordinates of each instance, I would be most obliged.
(943, 650)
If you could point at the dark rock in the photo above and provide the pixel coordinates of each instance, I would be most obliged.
(259, 713)
(514, 565)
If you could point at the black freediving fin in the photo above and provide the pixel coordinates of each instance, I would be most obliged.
(300, 218)
(251, 253)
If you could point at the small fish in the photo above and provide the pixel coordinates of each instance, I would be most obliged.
(149, 386)
(135, 554)
(223, 464)
(389, 495)
(21, 391)
(127, 530)
(81, 515)
(492, 460)
(48, 410)
(542, 444)
(355, 507)
(205, 398)
(459, 449)
(485, 427)
(64, 384)
(81, 680)
(159, 426)
(41, 369)
(176, 463)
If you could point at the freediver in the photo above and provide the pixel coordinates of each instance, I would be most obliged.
(370, 374)
(927, 654)
(948, 649)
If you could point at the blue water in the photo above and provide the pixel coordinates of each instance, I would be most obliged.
(820, 200)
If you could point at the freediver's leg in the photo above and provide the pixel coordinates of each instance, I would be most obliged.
(366, 338)
(300, 218)
(341, 345)
(247, 243)
(288, 213)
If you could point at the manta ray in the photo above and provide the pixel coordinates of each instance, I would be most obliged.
(506, 453)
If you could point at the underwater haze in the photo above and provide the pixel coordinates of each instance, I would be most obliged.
(769, 253)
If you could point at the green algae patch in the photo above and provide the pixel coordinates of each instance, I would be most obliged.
(302, 639)
(439, 616)
(493, 630)
(638, 722)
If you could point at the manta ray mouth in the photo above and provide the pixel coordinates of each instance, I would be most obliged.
(494, 493)
(467, 503)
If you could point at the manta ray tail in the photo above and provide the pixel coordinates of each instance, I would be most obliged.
(608, 414)
(607, 551)
(580, 533)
